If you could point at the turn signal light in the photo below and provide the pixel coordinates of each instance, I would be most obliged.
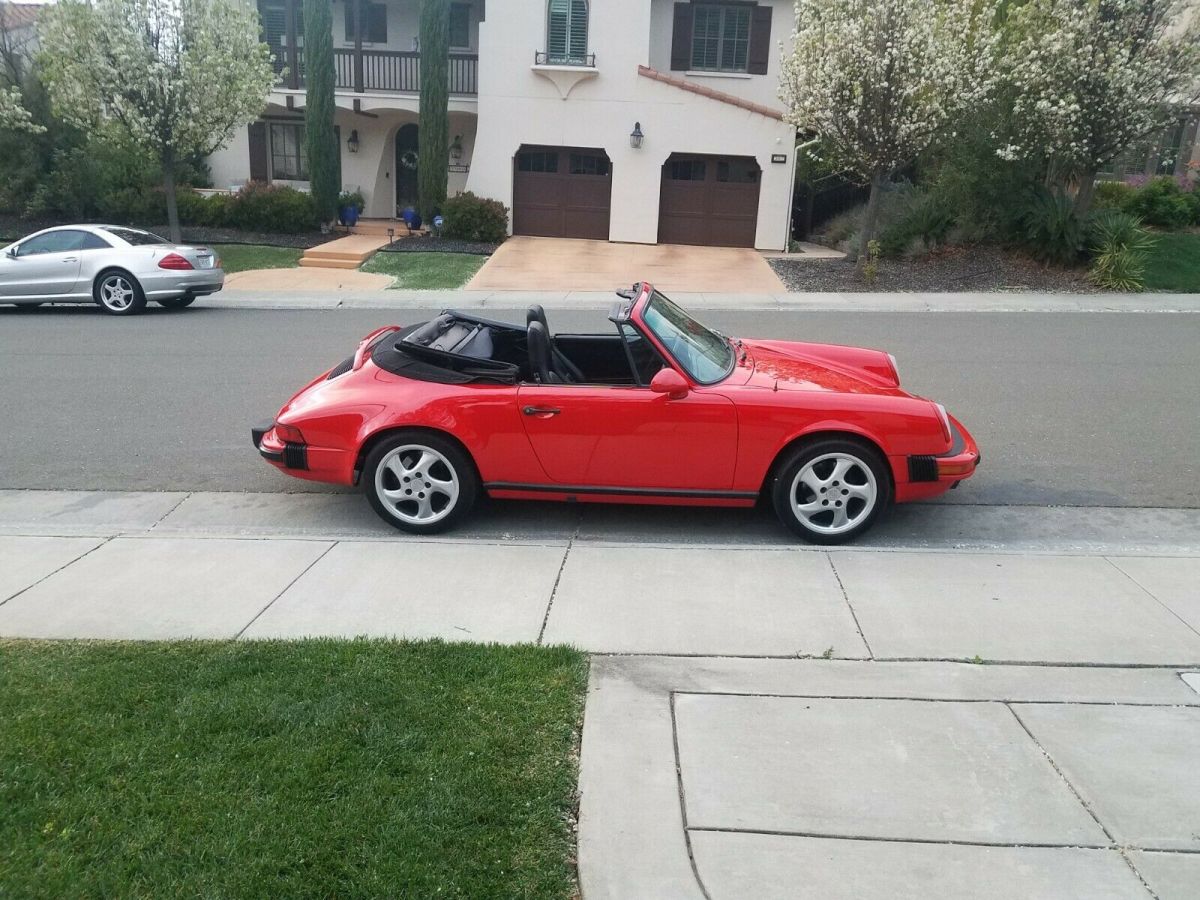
(174, 261)
(289, 434)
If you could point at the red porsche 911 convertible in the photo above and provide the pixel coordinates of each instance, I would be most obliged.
(661, 410)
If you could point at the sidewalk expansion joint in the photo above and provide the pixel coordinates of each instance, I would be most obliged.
(169, 511)
(1082, 802)
(56, 571)
(687, 831)
(849, 605)
(286, 588)
(557, 578)
(1149, 593)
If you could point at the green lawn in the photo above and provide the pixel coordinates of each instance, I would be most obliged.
(287, 769)
(425, 271)
(1174, 263)
(240, 257)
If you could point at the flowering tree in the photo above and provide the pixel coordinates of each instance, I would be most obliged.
(877, 81)
(177, 75)
(1091, 77)
(14, 116)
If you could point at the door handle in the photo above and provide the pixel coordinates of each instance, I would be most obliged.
(71, 259)
(541, 411)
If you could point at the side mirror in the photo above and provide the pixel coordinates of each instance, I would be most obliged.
(667, 381)
(11, 252)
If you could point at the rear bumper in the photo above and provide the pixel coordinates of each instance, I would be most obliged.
(326, 464)
(931, 475)
(178, 284)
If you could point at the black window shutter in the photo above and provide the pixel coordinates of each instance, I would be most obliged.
(760, 41)
(350, 21)
(258, 151)
(681, 37)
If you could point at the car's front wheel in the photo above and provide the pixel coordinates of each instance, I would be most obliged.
(831, 490)
(175, 302)
(420, 482)
(119, 293)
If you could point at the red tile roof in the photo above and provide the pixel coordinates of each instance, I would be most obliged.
(685, 85)
(18, 15)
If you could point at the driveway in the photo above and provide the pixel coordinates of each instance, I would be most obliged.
(563, 264)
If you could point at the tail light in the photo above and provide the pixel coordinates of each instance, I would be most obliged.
(944, 419)
(174, 261)
(289, 434)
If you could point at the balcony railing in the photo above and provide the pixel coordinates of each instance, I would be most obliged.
(397, 71)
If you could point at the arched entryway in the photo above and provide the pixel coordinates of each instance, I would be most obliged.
(406, 166)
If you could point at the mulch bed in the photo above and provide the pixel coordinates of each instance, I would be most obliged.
(978, 268)
(12, 228)
(431, 244)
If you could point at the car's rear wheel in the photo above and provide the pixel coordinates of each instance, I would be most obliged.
(420, 482)
(118, 293)
(831, 490)
(175, 302)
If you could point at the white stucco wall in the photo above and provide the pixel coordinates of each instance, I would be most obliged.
(519, 106)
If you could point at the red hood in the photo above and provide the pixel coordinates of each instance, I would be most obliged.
(791, 365)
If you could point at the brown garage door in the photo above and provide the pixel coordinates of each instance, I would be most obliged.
(709, 200)
(562, 192)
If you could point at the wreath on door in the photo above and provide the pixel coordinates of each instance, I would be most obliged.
(408, 159)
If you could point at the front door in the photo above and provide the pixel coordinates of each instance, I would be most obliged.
(630, 437)
(46, 265)
(406, 167)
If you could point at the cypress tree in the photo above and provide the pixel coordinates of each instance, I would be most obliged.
(320, 138)
(433, 141)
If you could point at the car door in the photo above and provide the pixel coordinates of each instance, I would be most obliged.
(44, 265)
(630, 437)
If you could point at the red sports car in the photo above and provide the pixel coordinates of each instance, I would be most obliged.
(661, 410)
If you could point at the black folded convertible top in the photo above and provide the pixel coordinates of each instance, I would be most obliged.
(401, 357)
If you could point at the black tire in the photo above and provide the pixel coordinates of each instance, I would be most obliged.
(175, 302)
(118, 293)
(842, 510)
(404, 512)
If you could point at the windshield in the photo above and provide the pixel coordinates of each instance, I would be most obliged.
(704, 354)
(135, 237)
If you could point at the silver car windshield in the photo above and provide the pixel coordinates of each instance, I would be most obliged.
(704, 354)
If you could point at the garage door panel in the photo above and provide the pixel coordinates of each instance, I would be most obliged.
(709, 201)
(562, 192)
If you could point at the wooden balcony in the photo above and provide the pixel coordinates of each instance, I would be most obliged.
(395, 71)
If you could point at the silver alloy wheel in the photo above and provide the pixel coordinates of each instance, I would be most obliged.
(116, 292)
(833, 493)
(417, 484)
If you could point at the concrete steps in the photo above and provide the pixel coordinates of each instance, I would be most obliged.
(348, 252)
(378, 227)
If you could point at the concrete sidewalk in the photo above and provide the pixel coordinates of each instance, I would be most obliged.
(602, 299)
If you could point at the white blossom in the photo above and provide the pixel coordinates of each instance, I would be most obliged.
(14, 116)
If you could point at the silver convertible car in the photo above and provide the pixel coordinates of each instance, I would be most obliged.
(115, 267)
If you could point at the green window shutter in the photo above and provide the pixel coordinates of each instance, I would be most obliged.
(566, 30)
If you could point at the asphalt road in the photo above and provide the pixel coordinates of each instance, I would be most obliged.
(1076, 409)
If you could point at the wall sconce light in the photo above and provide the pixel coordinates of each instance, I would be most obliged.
(456, 148)
(352, 141)
(636, 136)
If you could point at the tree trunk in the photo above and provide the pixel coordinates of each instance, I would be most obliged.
(324, 170)
(870, 222)
(174, 232)
(433, 140)
(1083, 197)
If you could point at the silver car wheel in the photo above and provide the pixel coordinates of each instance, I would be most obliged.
(417, 484)
(116, 292)
(833, 493)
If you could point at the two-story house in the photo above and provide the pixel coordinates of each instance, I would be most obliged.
(628, 120)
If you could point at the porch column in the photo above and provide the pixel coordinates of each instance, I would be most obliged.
(358, 55)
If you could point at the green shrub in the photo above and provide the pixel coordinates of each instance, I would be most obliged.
(1193, 201)
(1119, 247)
(471, 218)
(133, 206)
(1052, 232)
(267, 207)
(925, 225)
(1161, 202)
(1113, 195)
(351, 198)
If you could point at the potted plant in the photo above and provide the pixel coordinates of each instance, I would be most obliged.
(350, 206)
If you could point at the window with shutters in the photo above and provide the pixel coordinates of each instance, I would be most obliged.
(567, 32)
(289, 158)
(460, 26)
(374, 23)
(720, 38)
(273, 14)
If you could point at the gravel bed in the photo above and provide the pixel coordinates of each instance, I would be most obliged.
(979, 268)
(430, 244)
